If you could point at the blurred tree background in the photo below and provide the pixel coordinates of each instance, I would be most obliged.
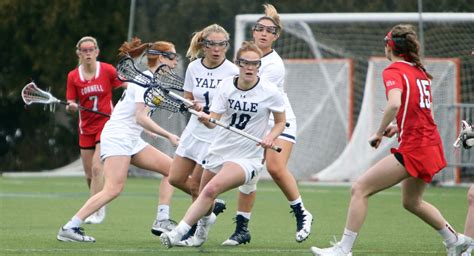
(39, 38)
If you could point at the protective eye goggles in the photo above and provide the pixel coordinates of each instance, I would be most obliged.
(168, 55)
(87, 50)
(248, 63)
(218, 44)
(270, 29)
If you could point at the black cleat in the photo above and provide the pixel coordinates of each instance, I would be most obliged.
(241, 234)
(219, 206)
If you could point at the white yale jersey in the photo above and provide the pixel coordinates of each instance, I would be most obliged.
(203, 82)
(273, 70)
(248, 111)
(123, 118)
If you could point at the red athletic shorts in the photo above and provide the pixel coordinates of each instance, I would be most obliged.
(88, 141)
(423, 163)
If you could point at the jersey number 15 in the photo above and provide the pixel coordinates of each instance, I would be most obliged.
(425, 101)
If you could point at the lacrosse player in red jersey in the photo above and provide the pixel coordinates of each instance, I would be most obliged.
(208, 67)
(90, 85)
(419, 155)
(245, 102)
(122, 145)
(266, 30)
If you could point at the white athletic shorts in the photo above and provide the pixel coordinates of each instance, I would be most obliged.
(192, 148)
(120, 146)
(252, 169)
(289, 133)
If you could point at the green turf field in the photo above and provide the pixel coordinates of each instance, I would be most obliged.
(33, 209)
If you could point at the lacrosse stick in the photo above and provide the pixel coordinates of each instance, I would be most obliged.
(465, 137)
(128, 72)
(158, 97)
(32, 94)
(167, 78)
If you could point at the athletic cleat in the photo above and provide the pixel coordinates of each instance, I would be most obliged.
(460, 246)
(74, 235)
(469, 250)
(335, 250)
(241, 234)
(160, 226)
(97, 217)
(202, 231)
(304, 220)
(170, 239)
(190, 233)
(219, 206)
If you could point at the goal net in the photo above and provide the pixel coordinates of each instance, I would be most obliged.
(358, 156)
(325, 114)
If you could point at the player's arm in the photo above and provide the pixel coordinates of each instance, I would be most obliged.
(389, 114)
(143, 119)
(277, 129)
(71, 95)
(204, 119)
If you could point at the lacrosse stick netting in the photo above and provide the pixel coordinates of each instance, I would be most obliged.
(32, 94)
(128, 72)
(167, 78)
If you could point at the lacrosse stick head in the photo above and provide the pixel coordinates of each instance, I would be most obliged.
(128, 72)
(32, 94)
(467, 135)
(155, 98)
(168, 79)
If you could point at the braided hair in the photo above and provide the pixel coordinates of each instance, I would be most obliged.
(403, 41)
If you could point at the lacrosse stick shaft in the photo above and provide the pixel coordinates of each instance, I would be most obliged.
(86, 109)
(217, 122)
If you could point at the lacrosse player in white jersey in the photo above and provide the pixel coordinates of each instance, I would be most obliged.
(245, 102)
(266, 31)
(209, 66)
(122, 145)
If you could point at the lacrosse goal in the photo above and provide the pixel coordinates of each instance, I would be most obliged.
(312, 38)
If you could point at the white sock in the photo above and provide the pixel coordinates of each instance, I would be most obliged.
(449, 235)
(244, 214)
(347, 240)
(182, 228)
(74, 222)
(163, 212)
(297, 201)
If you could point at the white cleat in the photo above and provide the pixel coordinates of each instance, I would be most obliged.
(202, 231)
(331, 251)
(190, 242)
(170, 239)
(97, 217)
(460, 246)
(160, 226)
(74, 235)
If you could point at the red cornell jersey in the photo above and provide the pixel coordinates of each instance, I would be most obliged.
(94, 94)
(414, 119)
